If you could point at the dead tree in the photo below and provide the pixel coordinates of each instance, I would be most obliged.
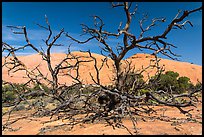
(34, 75)
(156, 44)
(110, 103)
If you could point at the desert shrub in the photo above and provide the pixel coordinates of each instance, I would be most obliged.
(8, 94)
(89, 89)
(132, 83)
(20, 107)
(39, 102)
(198, 86)
(71, 90)
(37, 87)
(21, 88)
(165, 81)
(191, 87)
(142, 91)
(172, 74)
(12, 92)
(184, 84)
(170, 81)
(35, 91)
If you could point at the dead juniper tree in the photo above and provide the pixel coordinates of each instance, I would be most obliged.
(81, 103)
(117, 98)
(34, 76)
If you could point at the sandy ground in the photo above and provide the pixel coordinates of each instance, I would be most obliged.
(147, 124)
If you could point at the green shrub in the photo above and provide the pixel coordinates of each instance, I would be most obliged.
(167, 80)
(11, 92)
(8, 96)
(131, 79)
(172, 74)
(8, 93)
(89, 89)
(37, 87)
(198, 85)
(170, 81)
(142, 91)
(184, 84)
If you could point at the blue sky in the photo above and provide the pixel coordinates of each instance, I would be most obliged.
(69, 15)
